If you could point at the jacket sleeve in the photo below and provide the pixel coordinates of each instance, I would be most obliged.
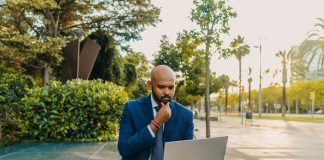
(189, 126)
(131, 142)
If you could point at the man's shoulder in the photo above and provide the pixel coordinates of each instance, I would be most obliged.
(139, 101)
(181, 107)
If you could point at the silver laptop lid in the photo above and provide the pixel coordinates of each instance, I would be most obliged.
(198, 149)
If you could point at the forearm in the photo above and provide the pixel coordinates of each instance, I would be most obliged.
(129, 145)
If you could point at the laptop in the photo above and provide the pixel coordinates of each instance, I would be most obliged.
(205, 149)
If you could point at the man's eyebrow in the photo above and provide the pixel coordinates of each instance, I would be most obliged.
(161, 85)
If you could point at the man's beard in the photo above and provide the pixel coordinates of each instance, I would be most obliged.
(158, 101)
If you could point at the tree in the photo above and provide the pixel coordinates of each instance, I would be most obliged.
(130, 71)
(225, 81)
(299, 67)
(301, 92)
(109, 64)
(284, 60)
(64, 18)
(318, 33)
(250, 81)
(319, 38)
(168, 55)
(138, 88)
(239, 49)
(141, 64)
(212, 18)
(184, 58)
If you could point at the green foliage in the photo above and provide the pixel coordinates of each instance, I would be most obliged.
(186, 58)
(298, 91)
(301, 91)
(76, 110)
(130, 72)
(239, 48)
(137, 88)
(12, 88)
(109, 64)
(168, 55)
(34, 21)
(29, 51)
(141, 64)
(186, 98)
(125, 19)
(212, 17)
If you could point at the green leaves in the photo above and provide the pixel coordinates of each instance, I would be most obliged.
(77, 110)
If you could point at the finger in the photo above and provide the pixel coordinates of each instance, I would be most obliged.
(164, 105)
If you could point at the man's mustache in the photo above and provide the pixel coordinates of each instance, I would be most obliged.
(166, 97)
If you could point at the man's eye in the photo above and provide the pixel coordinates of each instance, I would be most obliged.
(171, 87)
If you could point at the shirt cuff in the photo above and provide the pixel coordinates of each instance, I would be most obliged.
(152, 133)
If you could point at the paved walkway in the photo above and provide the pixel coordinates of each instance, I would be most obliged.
(265, 140)
(61, 151)
(268, 139)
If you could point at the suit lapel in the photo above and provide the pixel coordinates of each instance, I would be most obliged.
(168, 127)
(147, 109)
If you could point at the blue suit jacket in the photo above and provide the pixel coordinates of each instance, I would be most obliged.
(135, 140)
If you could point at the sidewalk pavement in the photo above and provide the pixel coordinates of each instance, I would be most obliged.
(264, 140)
(267, 139)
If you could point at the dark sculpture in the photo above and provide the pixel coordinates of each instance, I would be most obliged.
(76, 63)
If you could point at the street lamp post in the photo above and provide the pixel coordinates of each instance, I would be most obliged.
(260, 87)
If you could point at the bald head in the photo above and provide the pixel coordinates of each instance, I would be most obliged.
(162, 72)
(162, 83)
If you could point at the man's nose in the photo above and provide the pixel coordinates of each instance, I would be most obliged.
(167, 91)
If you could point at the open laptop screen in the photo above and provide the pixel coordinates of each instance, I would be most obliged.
(205, 149)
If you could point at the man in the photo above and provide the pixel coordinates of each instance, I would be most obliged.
(144, 128)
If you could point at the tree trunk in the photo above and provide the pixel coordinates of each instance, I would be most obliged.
(284, 81)
(207, 100)
(297, 105)
(283, 104)
(52, 32)
(239, 98)
(46, 77)
(226, 99)
(249, 105)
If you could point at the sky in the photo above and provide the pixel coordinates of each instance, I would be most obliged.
(280, 24)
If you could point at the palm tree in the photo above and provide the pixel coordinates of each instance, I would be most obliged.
(318, 36)
(225, 84)
(239, 49)
(284, 60)
(250, 81)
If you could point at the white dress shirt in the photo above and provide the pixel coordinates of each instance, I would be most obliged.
(154, 104)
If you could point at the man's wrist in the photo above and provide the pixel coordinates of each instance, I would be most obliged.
(153, 127)
(156, 124)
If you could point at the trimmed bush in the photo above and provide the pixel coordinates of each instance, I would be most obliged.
(12, 88)
(76, 110)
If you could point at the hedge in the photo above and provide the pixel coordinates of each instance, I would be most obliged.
(13, 86)
(76, 110)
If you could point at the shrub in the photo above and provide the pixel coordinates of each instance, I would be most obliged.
(76, 110)
(13, 86)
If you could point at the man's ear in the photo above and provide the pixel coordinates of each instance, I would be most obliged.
(149, 84)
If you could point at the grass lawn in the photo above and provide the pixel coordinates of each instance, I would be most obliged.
(277, 117)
